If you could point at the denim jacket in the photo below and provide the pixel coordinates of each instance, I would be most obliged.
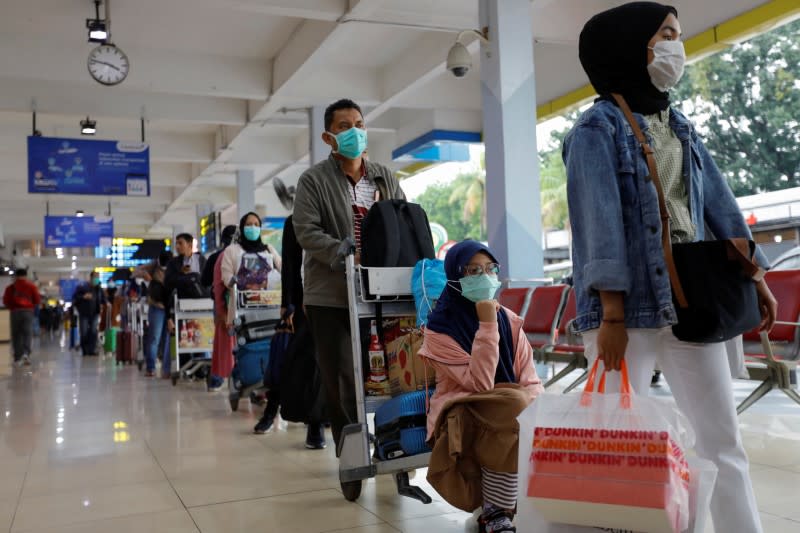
(616, 225)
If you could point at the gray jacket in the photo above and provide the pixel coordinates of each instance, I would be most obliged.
(323, 217)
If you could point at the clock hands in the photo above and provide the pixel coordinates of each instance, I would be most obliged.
(106, 64)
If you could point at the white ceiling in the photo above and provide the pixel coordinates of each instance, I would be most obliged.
(213, 79)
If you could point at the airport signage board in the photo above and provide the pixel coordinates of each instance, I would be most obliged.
(88, 166)
(77, 232)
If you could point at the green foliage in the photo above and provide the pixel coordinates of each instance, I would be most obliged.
(553, 178)
(444, 205)
(750, 96)
(747, 99)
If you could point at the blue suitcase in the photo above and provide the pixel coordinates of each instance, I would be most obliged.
(251, 362)
(401, 426)
(74, 337)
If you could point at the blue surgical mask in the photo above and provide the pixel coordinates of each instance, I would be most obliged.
(479, 288)
(252, 233)
(95, 282)
(351, 143)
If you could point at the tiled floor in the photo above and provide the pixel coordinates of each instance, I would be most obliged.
(86, 446)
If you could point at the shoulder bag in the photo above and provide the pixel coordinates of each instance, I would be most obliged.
(713, 282)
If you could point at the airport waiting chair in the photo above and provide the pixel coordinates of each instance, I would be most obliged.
(540, 322)
(517, 299)
(567, 346)
(772, 358)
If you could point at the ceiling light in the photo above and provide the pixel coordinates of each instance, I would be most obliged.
(74, 257)
(79, 213)
(88, 126)
(97, 31)
(97, 27)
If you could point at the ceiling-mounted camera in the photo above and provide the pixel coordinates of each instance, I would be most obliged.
(459, 60)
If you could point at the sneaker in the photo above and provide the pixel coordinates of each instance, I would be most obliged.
(315, 437)
(18, 363)
(495, 520)
(215, 383)
(263, 425)
(26, 360)
(149, 374)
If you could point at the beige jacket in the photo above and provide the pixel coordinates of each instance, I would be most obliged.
(474, 431)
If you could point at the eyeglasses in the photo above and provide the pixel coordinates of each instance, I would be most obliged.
(477, 270)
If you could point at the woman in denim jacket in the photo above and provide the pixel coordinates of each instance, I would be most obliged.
(621, 281)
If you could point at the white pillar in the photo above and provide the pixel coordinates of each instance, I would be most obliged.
(509, 129)
(318, 150)
(245, 191)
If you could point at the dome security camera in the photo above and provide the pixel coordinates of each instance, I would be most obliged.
(458, 60)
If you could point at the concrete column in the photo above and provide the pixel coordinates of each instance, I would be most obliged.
(245, 191)
(318, 150)
(508, 94)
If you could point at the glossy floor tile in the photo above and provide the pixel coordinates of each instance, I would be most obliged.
(90, 447)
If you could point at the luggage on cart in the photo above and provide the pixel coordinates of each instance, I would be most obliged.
(250, 330)
(401, 426)
(395, 233)
(126, 347)
(250, 364)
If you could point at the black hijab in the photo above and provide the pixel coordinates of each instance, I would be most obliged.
(613, 51)
(457, 317)
(251, 247)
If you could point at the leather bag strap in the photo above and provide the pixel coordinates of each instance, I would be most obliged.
(738, 249)
(666, 242)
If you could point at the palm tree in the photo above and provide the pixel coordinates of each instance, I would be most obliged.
(553, 185)
(470, 191)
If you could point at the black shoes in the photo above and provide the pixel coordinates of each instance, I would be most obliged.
(315, 437)
(263, 425)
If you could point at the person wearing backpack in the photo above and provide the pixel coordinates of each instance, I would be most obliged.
(294, 315)
(332, 199)
(21, 298)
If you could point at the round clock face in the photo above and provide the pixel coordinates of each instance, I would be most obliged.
(108, 64)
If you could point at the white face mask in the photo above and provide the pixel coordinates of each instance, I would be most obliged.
(666, 69)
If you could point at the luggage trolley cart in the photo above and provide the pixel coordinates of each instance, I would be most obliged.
(187, 309)
(391, 287)
(256, 314)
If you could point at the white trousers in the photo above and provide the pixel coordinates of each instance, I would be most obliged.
(700, 379)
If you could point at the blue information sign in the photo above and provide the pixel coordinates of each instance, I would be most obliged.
(60, 232)
(68, 288)
(83, 166)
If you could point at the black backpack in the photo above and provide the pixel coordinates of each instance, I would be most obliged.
(189, 286)
(395, 233)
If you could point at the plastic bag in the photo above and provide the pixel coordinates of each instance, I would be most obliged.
(427, 283)
(603, 460)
